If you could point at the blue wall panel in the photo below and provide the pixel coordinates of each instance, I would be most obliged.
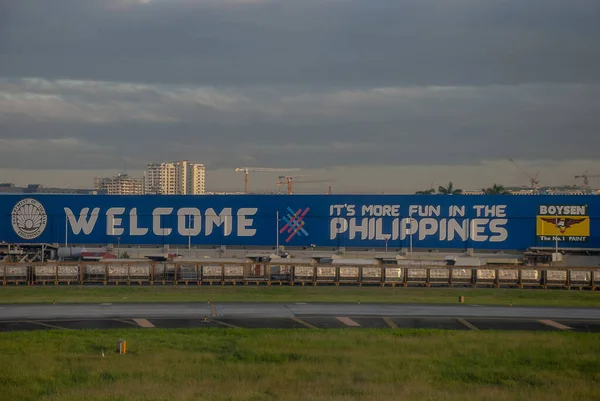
(440, 221)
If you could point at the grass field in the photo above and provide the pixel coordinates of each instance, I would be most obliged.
(225, 364)
(478, 296)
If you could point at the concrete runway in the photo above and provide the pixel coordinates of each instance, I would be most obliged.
(296, 315)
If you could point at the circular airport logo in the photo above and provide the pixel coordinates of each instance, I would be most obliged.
(29, 218)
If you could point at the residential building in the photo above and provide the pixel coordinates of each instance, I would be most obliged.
(175, 178)
(121, 184)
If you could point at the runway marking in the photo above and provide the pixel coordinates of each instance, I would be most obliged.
(347, 321)
(302, 322)
(554, 324)
(47, 325)
(213, 310)
(469, 325)
(390, 323)
(106, 304)
(226, 324)
(143, 323)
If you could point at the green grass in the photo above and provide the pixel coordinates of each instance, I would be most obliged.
(478, 296)
(304, 364)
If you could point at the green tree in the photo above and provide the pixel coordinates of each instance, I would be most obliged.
(426, 192)
(496, 190)
(449, 189)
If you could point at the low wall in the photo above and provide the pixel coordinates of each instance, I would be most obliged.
(210, 273)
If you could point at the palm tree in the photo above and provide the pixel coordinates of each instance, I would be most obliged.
(496, 190)
(449, 190)
(426, 192)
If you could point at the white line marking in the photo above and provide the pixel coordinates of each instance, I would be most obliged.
(143, 323)
(554, 324)
(46, 324)
(106, 304)
(310, 326)
(347, 321)
(469, 325)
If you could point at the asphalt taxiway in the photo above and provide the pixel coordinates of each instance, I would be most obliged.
(295, 315)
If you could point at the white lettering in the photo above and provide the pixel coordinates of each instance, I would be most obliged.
(568, 210)
(427, 227)
(337, 226)
(224, 218)
(362, 228)
(456, 211)
(82, 223)
(496, 227)
(113, 222)
(477, 230)
(194, 220)
(366, 228)
(133, 224)
(454, 227)
(379, 234)
(405, 230)
(371, 228)
(156, 221)
(244, 223)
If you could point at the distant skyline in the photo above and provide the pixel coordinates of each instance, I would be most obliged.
(381, 95)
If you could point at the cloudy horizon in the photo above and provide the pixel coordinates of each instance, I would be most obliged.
(378, 96)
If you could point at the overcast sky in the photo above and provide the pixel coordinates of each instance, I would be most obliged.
(376, 95)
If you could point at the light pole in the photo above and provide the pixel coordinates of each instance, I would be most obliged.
(386, 238)
(410, 234)
(66, 230)
(556, 239)
(277, 232)
(189, 235)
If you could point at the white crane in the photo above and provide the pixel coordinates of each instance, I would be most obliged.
(246, 170)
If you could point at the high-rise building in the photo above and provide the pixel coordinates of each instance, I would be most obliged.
(175, 178)
(120, 184)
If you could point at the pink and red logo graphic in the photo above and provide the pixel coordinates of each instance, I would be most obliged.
(294, 223)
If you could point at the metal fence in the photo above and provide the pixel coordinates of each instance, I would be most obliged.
(230, 273)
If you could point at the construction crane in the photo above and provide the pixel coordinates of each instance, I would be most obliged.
(246, 170)
(290, 180)
(585, 176)
(533, 181)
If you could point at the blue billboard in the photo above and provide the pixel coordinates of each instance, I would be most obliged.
(494, 222)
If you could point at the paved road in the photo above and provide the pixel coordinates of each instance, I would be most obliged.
(287, 310)
(296, 316)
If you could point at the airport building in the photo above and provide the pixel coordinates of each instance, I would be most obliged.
(175, 178)
(121, 184)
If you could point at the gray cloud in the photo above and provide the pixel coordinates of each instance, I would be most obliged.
(312, 42)
(316, 84)
(226, 127)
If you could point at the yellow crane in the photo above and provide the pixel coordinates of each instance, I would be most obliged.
(246, 170)
(290, 180)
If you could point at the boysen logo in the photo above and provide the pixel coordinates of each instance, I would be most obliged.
(563, 223)
(294, 223)
(29, 218)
